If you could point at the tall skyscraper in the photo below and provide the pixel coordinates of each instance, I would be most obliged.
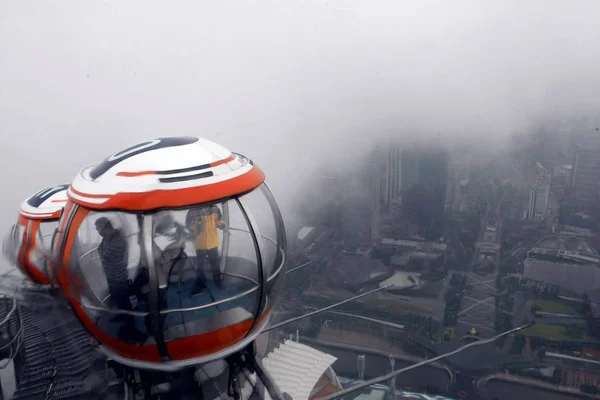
(539, 196)
(375, 223)
(586, 175)
(411, 159)
(433, 171)
(392, 177)
(418, 177)
(424, 189)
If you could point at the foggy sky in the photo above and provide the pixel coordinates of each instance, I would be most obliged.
(287, 83)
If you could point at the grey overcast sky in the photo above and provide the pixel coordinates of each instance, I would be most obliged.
(288, 83)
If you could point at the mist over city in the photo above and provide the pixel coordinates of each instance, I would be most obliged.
(445, 155)
(292, 85)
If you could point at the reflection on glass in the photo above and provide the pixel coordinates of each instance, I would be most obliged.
(45, 234)
(105, 260)
(258, 206)
(13, 242)
(271, 234)
(208, 270)
(145, 278)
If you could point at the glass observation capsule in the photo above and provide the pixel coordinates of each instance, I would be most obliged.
(170, 251)
(30, 240)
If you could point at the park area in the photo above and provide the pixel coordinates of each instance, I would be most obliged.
(558, 332)
(556, 307)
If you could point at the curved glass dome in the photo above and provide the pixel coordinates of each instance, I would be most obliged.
(171, 287)
(27, 246)
(11, 245)
(30, 241)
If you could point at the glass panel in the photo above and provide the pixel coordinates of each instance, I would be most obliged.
(19, 236)
(62, 221)
(37, 259)
(265, 212)
(105, 261)
(12, 243)
(45, 234)
(207, 265)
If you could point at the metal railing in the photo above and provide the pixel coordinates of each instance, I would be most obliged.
(11, 328)
(100, 306)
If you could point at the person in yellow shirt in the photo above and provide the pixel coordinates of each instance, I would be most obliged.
(203, 223)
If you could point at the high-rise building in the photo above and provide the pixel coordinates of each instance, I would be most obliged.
(566, 261)
(419, 176)
(539, 196)
(433, 172)
(375, 223)
(458, 175)
(586, 175)
(424, 189)
(392, 177)
(411, 160)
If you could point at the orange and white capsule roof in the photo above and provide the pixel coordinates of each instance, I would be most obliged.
(45, 204)
(165, 172)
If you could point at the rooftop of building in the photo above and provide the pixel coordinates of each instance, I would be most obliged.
(542, 180)
(401, 280)
(353, 271)
(565, 246)
(593, 297)
(418, 245)
(298, 369)
(380, 391)
(304, 232)
(415, 256)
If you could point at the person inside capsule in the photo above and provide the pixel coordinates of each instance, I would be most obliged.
(203, 223)
(114, 255)
(118, 240)
(139, 276)
(182, 239)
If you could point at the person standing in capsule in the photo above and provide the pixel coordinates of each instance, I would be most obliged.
(114, 258)
(203, 223)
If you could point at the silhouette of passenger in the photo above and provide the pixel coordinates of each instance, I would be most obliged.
(204, 222)
(114, 257)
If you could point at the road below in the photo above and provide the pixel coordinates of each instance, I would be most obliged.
(438, 377)
(504, 390)
(377, 365)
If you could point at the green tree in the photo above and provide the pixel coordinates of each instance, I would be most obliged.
(586, 388)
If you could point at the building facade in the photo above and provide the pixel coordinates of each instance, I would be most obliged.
(565, 261)
(376, 219)
(577, 277)
(539, 198)
(392, 182)
(586, 175)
